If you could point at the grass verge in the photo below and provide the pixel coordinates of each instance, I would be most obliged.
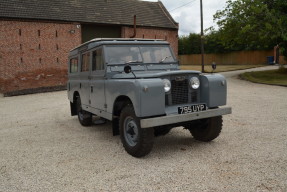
(220, 68)
(271, 77)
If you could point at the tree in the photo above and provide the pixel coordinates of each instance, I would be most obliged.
(189, 44)
(253, 24)
(212, 43)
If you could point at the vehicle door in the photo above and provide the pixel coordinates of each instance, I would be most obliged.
(97, 80)
(84, 77)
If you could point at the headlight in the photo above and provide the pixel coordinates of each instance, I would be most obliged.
(194, 82)
(167, 85)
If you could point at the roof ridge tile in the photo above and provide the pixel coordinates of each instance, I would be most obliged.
(90, 11)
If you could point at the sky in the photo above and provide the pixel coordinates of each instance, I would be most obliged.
(187, 13)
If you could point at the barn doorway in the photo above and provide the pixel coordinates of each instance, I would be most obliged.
(90, 31)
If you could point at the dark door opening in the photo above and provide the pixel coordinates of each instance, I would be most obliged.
(99, 31)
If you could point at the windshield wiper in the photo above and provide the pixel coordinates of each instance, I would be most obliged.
(133, 62)
(161, 61)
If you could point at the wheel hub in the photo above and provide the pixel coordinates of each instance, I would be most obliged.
(131, 131)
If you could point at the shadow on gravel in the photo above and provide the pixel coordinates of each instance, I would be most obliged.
(105, 130)
(176, 142)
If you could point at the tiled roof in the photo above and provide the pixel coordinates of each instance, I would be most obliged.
(151, 14)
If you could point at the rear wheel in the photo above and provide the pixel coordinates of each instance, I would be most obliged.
(206, 129)
(84, 117)
(137, 142)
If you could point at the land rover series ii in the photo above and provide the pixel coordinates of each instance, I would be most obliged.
(137, 84)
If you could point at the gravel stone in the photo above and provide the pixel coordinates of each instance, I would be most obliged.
(43, 148)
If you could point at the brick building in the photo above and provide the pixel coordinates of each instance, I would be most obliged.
(36, 35)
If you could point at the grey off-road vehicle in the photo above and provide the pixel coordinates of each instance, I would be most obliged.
(137, 84)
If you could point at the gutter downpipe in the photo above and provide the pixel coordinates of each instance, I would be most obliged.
(135, 27)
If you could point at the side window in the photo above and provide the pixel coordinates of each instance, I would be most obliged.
(74, 65)
(85, 62)
(98, 62)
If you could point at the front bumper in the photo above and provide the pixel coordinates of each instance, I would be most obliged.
(178, 118)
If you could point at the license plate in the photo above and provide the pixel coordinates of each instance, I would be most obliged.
(191, 108)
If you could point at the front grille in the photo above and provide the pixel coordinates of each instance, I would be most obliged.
(179, 91)
(193, 96)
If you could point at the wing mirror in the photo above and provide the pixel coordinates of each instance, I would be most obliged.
(127, 69)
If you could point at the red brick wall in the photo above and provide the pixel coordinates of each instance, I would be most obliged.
(147, 33)
(34, 54)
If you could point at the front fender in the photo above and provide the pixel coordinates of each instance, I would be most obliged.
(152, 97)
(147, 95)
(213, 90)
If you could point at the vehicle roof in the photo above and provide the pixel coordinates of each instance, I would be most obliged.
(115, 41)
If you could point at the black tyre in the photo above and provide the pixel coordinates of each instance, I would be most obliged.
(116, 126)
(84, 117)
(137, 142)
(206, 129)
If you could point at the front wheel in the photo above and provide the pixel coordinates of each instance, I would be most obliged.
(206, 129)
(137, 142)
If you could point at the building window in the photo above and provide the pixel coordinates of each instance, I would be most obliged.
(56, 33)
(20, 46)
(20, 32)
(57, 46)
(143, 36)
(73, 65)
(98, 62)
(39, 46)
(57, 60)
(39, 33)
(21, 59)
(85, 62)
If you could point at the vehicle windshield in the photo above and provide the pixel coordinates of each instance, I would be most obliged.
(138, 54)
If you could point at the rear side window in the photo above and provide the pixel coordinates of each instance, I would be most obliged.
(74, 65)
(85, 62)
(98, 62)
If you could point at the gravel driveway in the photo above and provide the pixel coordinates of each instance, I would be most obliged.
(43, 148)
